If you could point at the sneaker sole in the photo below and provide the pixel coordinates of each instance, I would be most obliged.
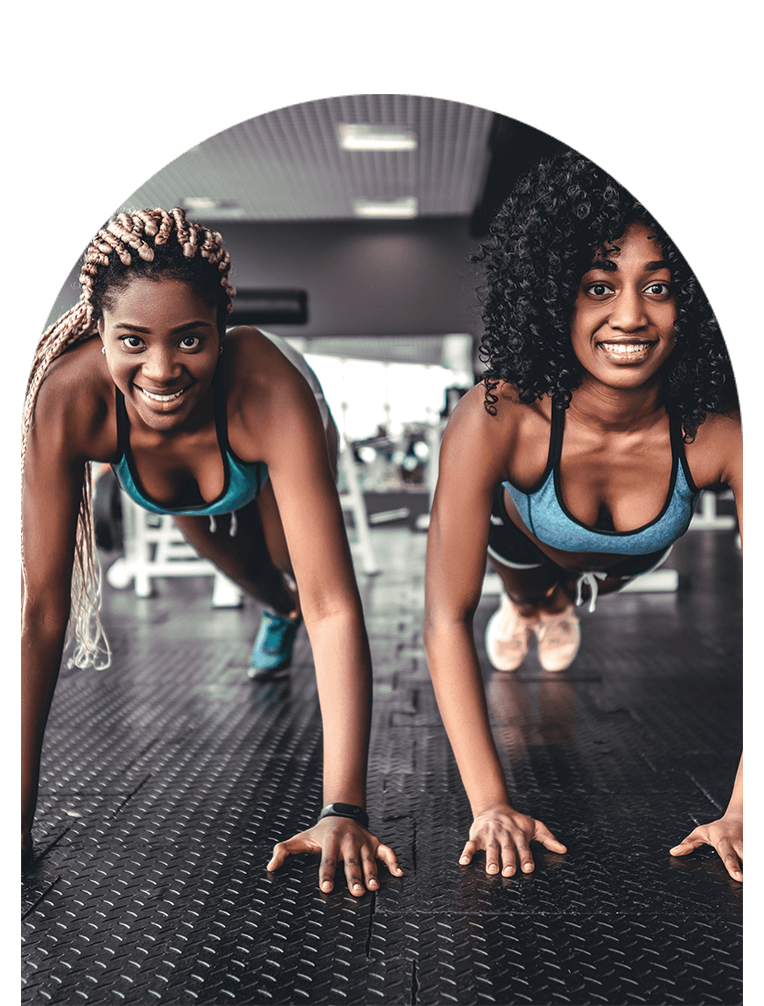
(267, 674)
(563, 667)
(489, 645)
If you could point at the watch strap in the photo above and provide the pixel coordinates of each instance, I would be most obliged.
(345, 810)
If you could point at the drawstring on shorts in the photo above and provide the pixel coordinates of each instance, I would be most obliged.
(231, 530)
(590, 579)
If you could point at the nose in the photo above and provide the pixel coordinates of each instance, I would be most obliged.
(628, 311)
(161, 367)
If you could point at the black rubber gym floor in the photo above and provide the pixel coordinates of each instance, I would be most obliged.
(168, 778)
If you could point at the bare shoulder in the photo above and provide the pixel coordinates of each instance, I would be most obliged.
(476, 414)
(492, 435)
(75, 403)
(716, 454)
(254, 365)
(270, 404)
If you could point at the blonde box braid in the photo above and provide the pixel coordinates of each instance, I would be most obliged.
(140, 232)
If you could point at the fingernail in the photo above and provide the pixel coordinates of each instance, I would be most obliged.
(357, 887)
(464, 860)
(327, 885)
(528, 867)
(492, 869)
(373, 883)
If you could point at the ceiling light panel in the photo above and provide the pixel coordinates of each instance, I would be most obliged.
(363, 136)
(288, 165)
(389, 209)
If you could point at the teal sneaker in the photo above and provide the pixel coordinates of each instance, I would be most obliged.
(274, 643)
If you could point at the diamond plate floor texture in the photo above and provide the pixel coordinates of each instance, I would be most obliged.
(168, 778)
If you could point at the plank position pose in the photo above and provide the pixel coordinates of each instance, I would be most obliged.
(224, 430)
(607, 404)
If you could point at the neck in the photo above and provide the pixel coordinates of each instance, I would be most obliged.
(616, 409)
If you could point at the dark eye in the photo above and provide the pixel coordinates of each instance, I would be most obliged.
(599, 289)
(132, 341)
(658, 289)
(189, 342)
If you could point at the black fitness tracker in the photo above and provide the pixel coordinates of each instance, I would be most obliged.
(345, 810)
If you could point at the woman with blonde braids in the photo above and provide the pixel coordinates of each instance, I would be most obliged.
(223, 430)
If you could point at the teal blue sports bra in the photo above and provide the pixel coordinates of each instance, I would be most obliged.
(242, 483)
(544, 513)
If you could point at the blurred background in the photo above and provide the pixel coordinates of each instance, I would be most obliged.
(350, 222)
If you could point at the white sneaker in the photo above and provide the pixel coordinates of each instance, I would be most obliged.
(559, 637)
(507, 636)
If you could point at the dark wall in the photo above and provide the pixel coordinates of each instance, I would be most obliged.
(362, 278)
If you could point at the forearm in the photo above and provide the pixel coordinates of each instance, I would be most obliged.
(459, 690)
(42, 645)
(735, 805)
(343, 674)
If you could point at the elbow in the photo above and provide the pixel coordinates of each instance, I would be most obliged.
(441, 626)
(45, 617)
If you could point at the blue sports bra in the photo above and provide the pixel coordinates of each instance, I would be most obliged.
(242, 480)
(544, 513)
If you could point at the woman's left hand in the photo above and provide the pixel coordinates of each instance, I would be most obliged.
(340, 839)
(725, 835)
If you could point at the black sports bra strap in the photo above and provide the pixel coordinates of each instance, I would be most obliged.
(123, 424)
(555, 436)
(677, 447)
(221, 412)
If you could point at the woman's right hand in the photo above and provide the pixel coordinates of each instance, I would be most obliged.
(505, 834)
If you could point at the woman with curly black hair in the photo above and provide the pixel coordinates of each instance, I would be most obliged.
(608, 403)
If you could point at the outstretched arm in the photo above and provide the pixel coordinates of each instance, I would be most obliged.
(306, 495)
(725, 834)
(52, 484)
(456, 557)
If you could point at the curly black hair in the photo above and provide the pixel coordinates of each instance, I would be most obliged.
(539, 246)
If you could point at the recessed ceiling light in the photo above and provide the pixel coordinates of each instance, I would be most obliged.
(199, 203)
(207, 208)
(362, 136)
(406, 207)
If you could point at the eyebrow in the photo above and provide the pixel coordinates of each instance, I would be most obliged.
(180, 328)
(610, 265)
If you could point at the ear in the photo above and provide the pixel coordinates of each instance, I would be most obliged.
(99, 327)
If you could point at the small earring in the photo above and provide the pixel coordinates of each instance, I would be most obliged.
(103, 350)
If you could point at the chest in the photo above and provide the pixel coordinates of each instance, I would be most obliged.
(616, 487)
(177, 472)
(606, 481)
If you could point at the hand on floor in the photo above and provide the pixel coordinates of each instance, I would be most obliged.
(724, 835)
(340, 839)
(506, 834)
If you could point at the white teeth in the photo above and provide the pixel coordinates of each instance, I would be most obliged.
(160, 398)
(625, 348)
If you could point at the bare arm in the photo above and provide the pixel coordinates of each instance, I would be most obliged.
(306, 495)
(53, 475)
(470, 468)
(725, 835)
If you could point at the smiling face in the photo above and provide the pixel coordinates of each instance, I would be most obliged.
(622, 329)
(162, 345)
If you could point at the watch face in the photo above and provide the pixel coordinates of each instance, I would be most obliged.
(347, 808)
